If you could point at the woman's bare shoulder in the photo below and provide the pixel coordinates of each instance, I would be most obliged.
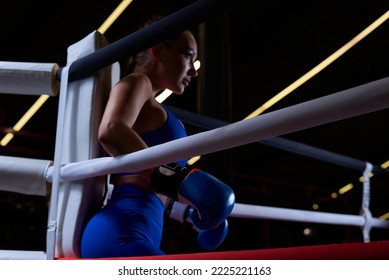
(138, 83)
(137, 77)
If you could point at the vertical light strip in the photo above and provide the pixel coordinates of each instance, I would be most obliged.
(320, 66)
(42, 99)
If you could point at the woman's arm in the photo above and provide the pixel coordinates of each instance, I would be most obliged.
(127, 98)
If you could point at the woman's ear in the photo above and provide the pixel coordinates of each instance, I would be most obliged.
(156, 51)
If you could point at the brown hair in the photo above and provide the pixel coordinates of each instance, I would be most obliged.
(140, 57)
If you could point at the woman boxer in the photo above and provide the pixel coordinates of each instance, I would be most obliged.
(131, 223)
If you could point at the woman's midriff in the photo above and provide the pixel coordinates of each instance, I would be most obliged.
(134, 179)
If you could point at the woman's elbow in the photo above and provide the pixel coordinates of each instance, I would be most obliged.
(107, 132)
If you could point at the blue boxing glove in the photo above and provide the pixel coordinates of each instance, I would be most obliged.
(208, 239)
(212, 199)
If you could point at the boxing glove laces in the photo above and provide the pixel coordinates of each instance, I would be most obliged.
(207, 239)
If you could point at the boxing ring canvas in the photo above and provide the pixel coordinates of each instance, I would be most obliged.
(75, 180)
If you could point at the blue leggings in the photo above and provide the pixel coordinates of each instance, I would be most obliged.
(130, 224)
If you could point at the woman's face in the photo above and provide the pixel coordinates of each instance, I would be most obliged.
(177, 60)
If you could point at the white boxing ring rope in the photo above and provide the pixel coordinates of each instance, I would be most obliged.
(352, 102)
(365, 220)
(28, 78)
(363, 99)
(288, 145)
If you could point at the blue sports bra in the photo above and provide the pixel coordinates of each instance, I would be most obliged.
(172, 129)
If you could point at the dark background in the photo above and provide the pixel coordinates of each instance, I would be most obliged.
(248, 55)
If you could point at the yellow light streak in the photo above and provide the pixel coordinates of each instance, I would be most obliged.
(8, 137)
(346, 188)
(192, 160)
(385, 164)
(114, 16)
(25, 118)
(282, 94)
(384, 216)
(163, 95)
(33, 109)
(362, 178)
